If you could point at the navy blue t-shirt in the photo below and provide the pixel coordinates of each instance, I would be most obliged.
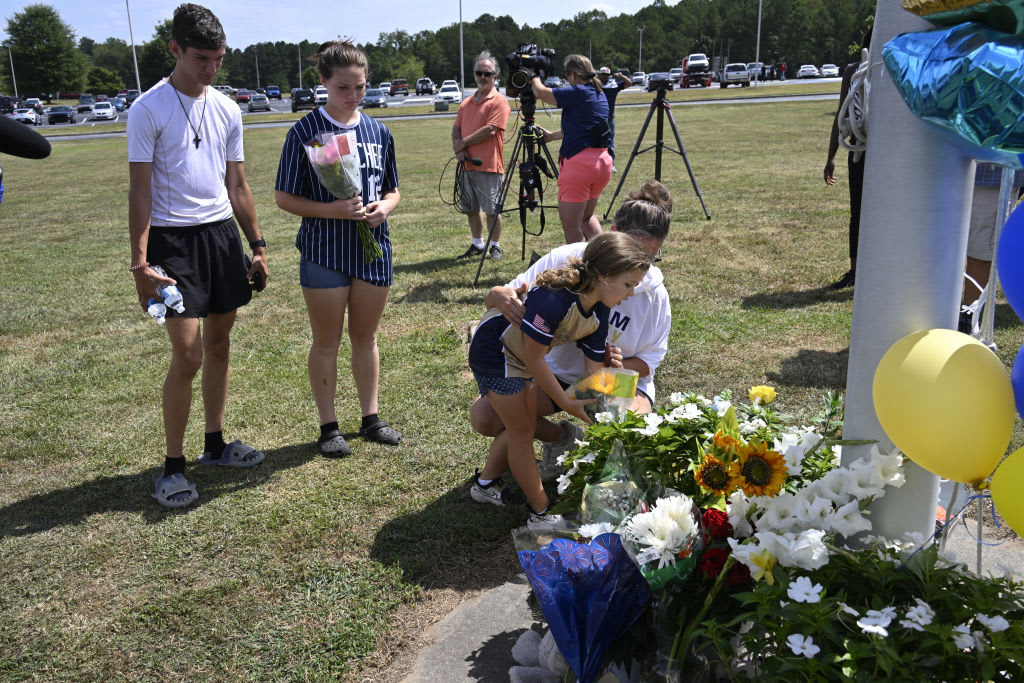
(583, 110)
(552, 317)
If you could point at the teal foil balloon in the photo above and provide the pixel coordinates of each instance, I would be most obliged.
(968, 81)
(1003, 15)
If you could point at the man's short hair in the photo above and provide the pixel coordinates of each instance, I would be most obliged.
(486, 54)
(195, 26)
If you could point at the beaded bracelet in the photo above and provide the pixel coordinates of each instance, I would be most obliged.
(139, 266)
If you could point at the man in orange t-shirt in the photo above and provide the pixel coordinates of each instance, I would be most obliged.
(479, 133)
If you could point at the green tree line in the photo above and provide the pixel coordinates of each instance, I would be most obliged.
(49, 58)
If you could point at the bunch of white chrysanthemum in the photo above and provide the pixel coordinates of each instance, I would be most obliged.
(662, 533)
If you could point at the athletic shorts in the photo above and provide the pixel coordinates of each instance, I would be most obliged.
(503, 386)
(480, 191)
(208, 264)
(314, 276)
(584, 176)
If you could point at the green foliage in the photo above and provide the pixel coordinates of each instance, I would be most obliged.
(103, 81)
(116, 55)
(906, 649)
(44, 51)
(155, 58)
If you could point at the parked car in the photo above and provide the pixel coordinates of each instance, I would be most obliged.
(829, 71)
(754, 69)
(657, 80)
(8, 104)
(424, 86)
(553, 82)
(243, 95)
(130, 97)
(33, 103)
(85, 103)
(320, 93)
(734, 74)
(385, 87)
(399, 86)
(639, 78)
(226, 89)
(674, 74)
(103, 111)
(259, 101)
(273, 92)
(303, 99)
(808, 71)
(450, 81)
(449, 93)
(27, 116)
(374, 97)
(119, 103)
(61, 114)
(102, 98)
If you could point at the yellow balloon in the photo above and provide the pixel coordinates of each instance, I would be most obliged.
(945, 400)
(1006, 487)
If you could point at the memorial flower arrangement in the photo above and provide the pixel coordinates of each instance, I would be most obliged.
(738, 524)
(336, 163)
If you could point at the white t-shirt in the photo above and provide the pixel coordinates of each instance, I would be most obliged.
(188, 182)
(639, 326)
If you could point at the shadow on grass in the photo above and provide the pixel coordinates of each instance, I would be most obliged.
(454, 542)
(796, 299)
(132, 493)
(814, 369)
(431, 266)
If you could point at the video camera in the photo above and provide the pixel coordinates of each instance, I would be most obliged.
(526, 61)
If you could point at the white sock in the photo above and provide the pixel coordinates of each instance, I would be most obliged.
(484, 482)
(478, 242)
(493, 244)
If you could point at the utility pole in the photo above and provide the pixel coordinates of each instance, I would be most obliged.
(640, 58)
(256, 51)
(462, 53)
(757, 51)
(135, 60)
(300, 64)
(14, 81)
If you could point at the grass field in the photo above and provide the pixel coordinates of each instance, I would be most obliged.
(309, 569)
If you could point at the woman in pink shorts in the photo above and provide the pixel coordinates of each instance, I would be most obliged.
(583, 159)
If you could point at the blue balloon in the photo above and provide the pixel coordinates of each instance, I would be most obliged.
(590, 594)
(1010, 263)
(1017, 380)
(967, 81)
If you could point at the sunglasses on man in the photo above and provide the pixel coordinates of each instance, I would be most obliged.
(484, 74)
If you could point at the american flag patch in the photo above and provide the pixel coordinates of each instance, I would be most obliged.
(539, 323)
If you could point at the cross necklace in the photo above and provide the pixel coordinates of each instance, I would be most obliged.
(196, 140)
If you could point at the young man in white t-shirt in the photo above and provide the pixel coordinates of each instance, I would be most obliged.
(186, 185)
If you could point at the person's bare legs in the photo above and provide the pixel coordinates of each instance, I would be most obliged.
(186, 359)
(513, 448)
(216, 335)
(480, 223)
(589, 223)
(365, 308)
(326, 310)
(485, 420)
(571, 215)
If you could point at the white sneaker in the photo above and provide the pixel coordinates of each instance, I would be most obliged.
(494, 493)
(545, 522)
(549, 465)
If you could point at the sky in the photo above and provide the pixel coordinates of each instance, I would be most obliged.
(255, 21)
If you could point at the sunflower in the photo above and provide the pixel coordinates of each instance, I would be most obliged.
(726, 445)
(760, 472)
(713, 475)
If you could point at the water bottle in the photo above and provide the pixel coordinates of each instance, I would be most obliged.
(169, 293)
(157, 309)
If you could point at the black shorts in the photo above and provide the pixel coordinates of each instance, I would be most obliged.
(208, 263)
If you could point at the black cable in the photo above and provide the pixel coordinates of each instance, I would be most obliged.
(459, 170)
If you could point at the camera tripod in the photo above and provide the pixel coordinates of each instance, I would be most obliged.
(531, 165)
(663, 107)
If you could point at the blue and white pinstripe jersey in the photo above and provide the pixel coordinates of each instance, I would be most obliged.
(333, 242)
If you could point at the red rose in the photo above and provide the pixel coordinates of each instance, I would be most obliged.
(738, 574)
(712, 561)
(717, 524)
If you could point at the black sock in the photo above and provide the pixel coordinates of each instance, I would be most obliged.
(215, 444)
(370, 420)
(329, 427)
(174, 466)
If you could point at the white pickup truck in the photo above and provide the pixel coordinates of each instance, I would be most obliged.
(734, 74)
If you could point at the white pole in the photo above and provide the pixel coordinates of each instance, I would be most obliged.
(462, 52)
(757, 50)
(14, 81)
(299, 48)
(131, 36)
(640, 58)
(256, 51)
(910, 262)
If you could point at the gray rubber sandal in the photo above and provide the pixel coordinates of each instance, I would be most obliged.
(236, 454)
(333, 445)
(175, 491)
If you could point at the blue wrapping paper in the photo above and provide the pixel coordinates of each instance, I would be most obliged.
(968, 81)
(590, 594)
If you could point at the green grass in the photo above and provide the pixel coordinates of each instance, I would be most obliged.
(305, 568)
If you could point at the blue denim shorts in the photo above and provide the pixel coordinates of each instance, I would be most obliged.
(315, 276)
(503, 386)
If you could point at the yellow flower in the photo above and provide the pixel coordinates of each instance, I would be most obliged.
(762, 394)
(764, 561)
(727, 445)
(602, 381)
(713, 475)
(760, 472)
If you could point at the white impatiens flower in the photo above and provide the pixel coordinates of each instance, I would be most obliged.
(918, 616)
(676, 398)
(802, 590)
(595, 530)
(843, 607)
(564, 480)
(994, 624)
(604, 417)
(802, 645)
(751, 427)
(580, 444)
(653, 423)
(965, 639)
(876, 621)
(687, 411)
(721, 406)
